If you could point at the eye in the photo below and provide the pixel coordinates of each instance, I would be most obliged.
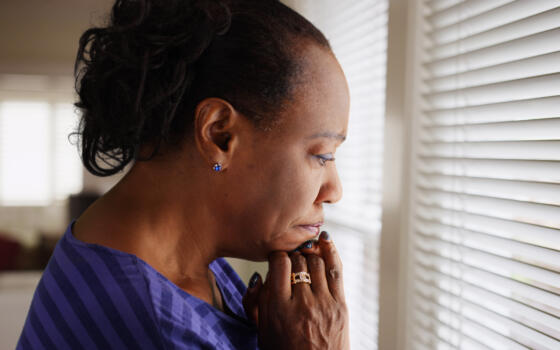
(324, 158)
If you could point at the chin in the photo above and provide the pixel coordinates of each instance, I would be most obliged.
(286, 242)
(259, 259)
(259, 255)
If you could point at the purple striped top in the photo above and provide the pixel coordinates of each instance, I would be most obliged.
(95, 297)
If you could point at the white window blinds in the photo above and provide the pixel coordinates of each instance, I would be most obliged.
(357, 31)
(486, 226)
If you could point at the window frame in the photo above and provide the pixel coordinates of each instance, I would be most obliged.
(404, 57)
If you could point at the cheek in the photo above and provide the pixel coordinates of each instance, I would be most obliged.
(291, 184)
(274, 195)
(290, 197)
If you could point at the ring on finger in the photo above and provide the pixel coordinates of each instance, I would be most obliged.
(301, 277)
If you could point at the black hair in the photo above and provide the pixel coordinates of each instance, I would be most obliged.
(140, 78)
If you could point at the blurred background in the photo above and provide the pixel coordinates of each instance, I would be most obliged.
(42, 181)
(40, 167)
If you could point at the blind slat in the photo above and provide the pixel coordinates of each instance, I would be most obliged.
(526, 109)
(439, 5)
(509, 51)
(533, 66)
(523, 170)
(530, 213)
(519, 150)
(499, 227)
(463, 11)
(510, 249)
(534, 192)
(517, 19)
(345, 12)
(519, 89)
(530, 130)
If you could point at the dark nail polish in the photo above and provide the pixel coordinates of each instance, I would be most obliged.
(307, 245)
(324, 235)
(254, 279)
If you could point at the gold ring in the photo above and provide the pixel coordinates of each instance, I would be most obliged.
(301, 277)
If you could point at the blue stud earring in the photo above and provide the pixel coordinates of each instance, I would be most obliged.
(217, 167)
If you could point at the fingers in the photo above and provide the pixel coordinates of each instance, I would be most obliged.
(310, 247)
(263, 302)
(316, 268)
(299, 264)
(251, 298)
(333, 266)
(278, 279)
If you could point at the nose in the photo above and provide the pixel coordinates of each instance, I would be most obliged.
(331, 188)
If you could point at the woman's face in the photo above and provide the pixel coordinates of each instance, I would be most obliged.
(281, 178)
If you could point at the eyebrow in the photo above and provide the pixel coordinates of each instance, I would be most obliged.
(330, 135)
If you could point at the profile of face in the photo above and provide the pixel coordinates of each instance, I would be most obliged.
(277, 181)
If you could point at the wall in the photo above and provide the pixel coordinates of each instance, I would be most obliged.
(41, 37)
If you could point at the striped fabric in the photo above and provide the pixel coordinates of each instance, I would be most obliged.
(95, 297)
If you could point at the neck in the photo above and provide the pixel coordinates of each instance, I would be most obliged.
(154, 224)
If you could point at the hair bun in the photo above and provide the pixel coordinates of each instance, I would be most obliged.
(219, 14)
(186, 27)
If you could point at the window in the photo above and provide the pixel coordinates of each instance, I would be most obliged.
(38, 164)
(485, 236)
(357, 31)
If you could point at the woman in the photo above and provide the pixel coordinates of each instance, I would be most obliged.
(231, 112)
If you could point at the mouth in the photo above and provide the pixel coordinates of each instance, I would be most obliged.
(312, 228)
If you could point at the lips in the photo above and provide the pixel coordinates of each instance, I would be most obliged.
(314, 228)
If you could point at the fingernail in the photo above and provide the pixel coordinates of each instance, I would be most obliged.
(306, 245)
(325, 235)
(254, 279)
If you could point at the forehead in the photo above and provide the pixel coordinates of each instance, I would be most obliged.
(321, 100)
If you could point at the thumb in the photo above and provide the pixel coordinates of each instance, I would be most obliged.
(251, 298)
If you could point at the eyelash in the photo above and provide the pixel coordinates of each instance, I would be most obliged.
(324, 158)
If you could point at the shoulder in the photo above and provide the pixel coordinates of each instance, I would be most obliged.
(91, 297)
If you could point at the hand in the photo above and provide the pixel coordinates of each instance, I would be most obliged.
(301, 316)
(251, 297)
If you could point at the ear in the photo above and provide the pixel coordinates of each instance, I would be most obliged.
(216, 130)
